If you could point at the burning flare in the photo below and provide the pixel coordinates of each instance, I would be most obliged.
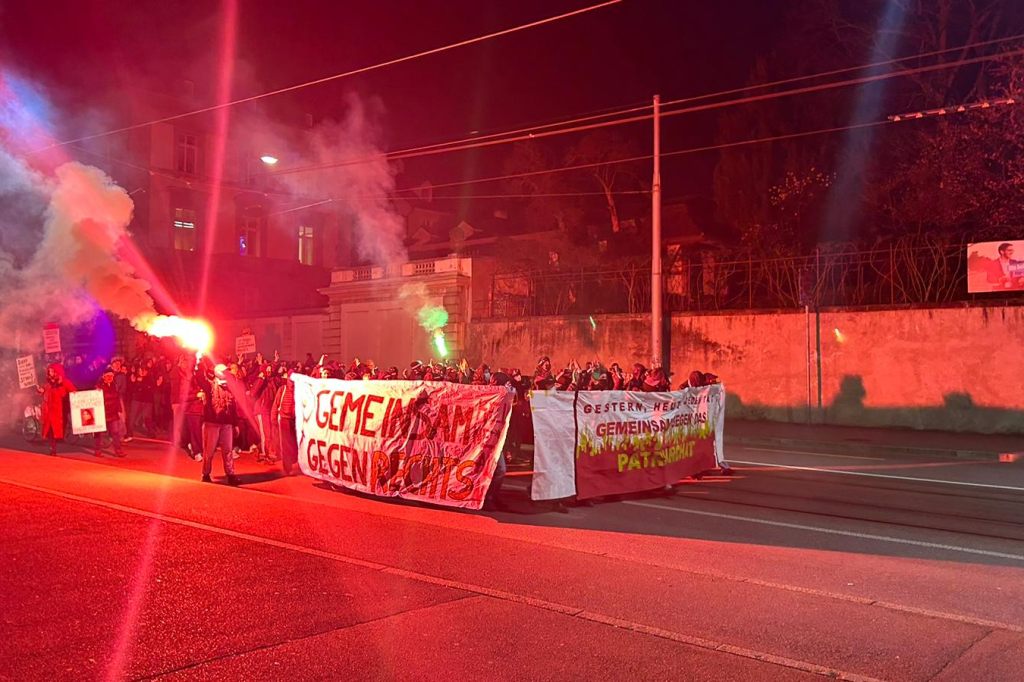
(194, 334)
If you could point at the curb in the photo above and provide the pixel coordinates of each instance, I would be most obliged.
(841, 447)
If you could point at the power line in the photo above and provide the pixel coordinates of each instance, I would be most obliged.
(470, 197)
(521, 134)
(441, 148)
(346, 74)
(646, 157)
(851, 69)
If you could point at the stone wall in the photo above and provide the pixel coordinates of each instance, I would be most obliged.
(955, 369)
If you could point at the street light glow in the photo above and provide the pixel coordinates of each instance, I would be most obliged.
(268, 159)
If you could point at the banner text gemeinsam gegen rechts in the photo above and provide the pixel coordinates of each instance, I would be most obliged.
(428, 441)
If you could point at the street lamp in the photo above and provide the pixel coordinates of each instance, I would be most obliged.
(268, 159)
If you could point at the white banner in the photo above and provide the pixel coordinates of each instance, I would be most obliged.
(245, 344)
(421, 440)
(554, 463)
(87, 412)
(26, 372)
(598, 443)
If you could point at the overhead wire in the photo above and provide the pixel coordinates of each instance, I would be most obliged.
(345, 74)
(534, 132)
(560, 128)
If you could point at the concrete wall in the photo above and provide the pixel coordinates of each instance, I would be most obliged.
(293, 335)
(955, 369)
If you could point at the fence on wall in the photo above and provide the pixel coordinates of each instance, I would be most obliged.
(908, 272)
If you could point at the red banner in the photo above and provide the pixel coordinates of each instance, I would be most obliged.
(632, 442)
(428, 441)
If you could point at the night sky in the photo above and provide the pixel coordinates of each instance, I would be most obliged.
(88, 52)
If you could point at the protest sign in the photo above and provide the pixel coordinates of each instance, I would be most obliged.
(245, 344)
(26, 372)
(623, 442)
(428, 441)
(51, 339)
(87, 412)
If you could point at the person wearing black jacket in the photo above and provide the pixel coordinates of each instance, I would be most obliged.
(112, 408)
(220, 414)
(141, 387)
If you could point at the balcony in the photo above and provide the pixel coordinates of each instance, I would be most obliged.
(420, 268)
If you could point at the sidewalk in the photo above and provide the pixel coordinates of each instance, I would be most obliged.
(892, 442)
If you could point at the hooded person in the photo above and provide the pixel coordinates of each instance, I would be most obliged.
(220, 415)
(414, 372)
(655, 381)
(262, 390)
(481, 376)
(600, 380)
(283, 416)
(636, 379)
(55, 391)
(618, 378)
(543, 381)
(112, 410)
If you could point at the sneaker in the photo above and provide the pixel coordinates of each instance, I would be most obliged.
(207, 479)
(254, 450)
(198, 457)
(233, 480)
(128, 439)
(236, 453)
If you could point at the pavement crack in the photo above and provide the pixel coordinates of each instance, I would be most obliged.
(291, 640)
(976, 641)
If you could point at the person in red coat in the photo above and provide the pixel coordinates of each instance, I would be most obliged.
(54, 390)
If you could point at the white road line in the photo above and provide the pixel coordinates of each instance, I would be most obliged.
(815, 454)
(874, 475)
(831, 531)
(571, 611)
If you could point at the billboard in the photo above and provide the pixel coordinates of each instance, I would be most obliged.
(995, 266)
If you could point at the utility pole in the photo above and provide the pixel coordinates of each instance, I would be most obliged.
(657, 344)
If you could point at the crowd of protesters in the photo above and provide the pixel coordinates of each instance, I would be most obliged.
(247, 406)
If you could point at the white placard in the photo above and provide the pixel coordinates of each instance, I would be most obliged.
(87, 412)
(51, 339)
(245, 344)
(26, 372)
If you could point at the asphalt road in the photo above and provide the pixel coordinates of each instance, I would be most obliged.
(800, 566)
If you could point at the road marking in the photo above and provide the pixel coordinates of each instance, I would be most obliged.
(874, 475)
(838, 596)
(831, 531)
(571, 611)
(815, 454)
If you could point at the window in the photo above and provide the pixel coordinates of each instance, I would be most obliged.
(185, 229)
(186, 154)
(250, 231)
(306, 239)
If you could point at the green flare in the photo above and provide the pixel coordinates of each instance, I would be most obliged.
(433, 317)
(439, 343)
